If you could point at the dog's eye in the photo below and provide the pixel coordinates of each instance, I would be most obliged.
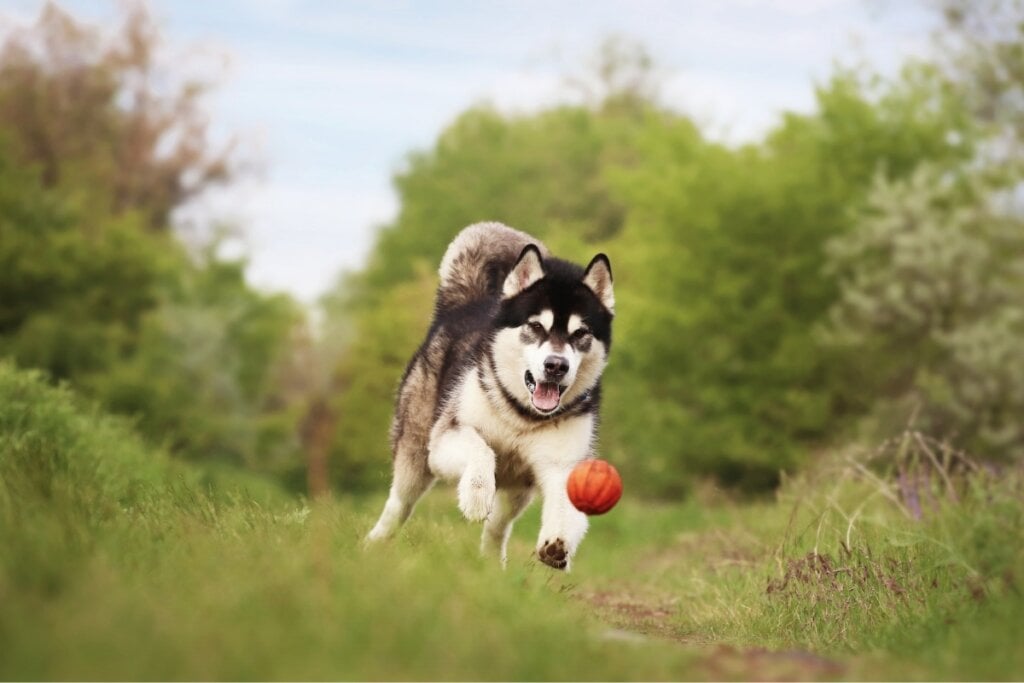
(580, 333)
(536, 327)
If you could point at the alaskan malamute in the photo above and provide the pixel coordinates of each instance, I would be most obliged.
(503, 395)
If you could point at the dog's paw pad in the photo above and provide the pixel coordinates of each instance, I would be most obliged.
(554, 554)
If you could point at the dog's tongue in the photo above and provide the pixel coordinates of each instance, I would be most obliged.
(545, 396)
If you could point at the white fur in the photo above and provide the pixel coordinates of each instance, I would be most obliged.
(546, 318)
(398, 507)
(536, 355)
(591, 365)
(462, 454)
(599, 280)
(575, 323)
(512, 359)
(550, 450)
(392, 517)
(526, 271)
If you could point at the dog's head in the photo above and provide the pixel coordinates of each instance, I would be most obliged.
(554, 330)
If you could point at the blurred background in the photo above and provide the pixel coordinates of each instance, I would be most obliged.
(223, 220)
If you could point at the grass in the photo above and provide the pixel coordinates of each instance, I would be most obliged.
(118, 563)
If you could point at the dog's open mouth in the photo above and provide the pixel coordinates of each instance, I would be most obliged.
(545, 395)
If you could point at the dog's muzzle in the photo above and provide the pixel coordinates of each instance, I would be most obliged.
(544, 395)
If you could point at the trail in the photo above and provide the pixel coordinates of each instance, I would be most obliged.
(637, 613)
(634, 620)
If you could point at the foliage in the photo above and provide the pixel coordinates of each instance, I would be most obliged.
(130, 318)
(72, 288)
(739, 237)
(717, 252)
(202, 376)
(932, 285)
(757, 284)
(97, 147)
(103, 119)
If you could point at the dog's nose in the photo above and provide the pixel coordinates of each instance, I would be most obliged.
(555, 367)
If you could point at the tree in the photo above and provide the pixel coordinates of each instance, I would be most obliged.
(723, 249)
(102, 114)
(932, 276)
(717, 252)
(982, 54)
(99, 144)
(73, 291)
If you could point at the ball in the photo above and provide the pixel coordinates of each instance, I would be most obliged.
(594, 487)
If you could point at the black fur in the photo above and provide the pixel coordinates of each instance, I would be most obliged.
(466, 331)
(562, 290)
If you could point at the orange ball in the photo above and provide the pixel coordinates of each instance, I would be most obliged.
(594, 487)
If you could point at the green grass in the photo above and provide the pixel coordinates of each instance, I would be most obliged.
(116, 562)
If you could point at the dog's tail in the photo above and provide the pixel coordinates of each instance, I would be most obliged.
(477, 262)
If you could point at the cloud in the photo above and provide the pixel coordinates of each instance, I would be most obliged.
(297, 237)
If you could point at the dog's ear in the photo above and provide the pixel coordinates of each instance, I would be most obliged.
(528, 269)
(599, 279)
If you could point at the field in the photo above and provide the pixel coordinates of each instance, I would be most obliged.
(118, 563)
(814, 396)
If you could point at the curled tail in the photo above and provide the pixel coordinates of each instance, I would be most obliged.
(477, 262)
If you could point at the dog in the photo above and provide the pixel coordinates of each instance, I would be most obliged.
(502, 397)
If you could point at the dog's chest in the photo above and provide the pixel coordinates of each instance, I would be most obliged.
(521, 446)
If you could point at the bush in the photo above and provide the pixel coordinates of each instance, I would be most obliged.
(932, 290)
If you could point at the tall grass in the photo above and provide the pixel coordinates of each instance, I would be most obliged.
(888, 561)
(116, 562)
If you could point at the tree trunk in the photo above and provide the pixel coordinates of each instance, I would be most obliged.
(317, 434)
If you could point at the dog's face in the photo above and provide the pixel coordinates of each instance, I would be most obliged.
(554, 330)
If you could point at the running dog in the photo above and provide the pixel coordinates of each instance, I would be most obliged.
(503, 395)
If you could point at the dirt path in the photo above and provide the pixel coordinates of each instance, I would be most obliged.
(635, 618)
(636, 611)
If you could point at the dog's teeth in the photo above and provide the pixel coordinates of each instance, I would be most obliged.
(531, 384)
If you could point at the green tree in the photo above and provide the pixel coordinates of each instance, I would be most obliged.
(932, 291)
(72, 290)
(718, 254)
(99, 144)
(931, 301)
(729, 281)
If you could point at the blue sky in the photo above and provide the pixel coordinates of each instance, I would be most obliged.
(329, 97)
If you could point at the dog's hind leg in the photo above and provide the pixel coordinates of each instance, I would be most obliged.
(409, 483)
(508, 505)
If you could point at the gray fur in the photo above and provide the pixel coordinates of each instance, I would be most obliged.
(477, 261)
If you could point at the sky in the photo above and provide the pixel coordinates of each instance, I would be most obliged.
(328, 98)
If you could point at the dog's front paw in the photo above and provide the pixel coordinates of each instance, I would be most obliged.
(554, 554)
(476, 496)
